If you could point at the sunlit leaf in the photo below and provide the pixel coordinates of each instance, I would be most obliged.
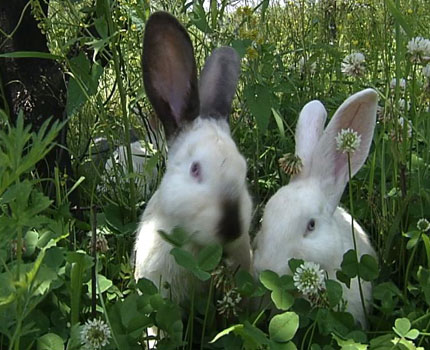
(283, 327)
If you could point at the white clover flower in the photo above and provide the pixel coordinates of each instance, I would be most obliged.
(419, 49)
(291, 164)
(348, 141)
(380, 113)
(402, 104)
(353, 64)
(399, 137)
(401, 122)
(95, 334)
(228, 304)
(423, 225)
(309, 278)
(402, 83)
(102, 245)
(303, 64)
(426, 70)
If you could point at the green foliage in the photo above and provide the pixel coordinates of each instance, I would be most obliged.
(50, 341)
(283, 327)
(84, 82)
(79, 262)
(16, 157)
(280, 287)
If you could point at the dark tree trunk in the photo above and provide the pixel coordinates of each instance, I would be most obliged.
(35, 86)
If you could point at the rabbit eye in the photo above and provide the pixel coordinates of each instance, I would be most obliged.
(195, 170)
(311, 225)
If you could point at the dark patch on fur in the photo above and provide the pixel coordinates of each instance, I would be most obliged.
(218, 83)
(229, 227)
(167, 48)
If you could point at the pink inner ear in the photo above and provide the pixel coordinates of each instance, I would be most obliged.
(329, 165)
(353, 122)
(341, 162)
(360, 123)
(171, 78)
(341, 159)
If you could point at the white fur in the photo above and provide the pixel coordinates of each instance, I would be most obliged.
(139, 156)
(195, 207)
(309, 129)
(138, 153)
(203, 190)
(315, 195)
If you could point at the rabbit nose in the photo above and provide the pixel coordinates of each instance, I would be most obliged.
(229, 226)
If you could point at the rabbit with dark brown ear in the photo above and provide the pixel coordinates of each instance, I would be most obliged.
(302, 220)
(204, 188)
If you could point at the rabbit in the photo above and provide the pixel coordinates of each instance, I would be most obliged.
(117, 166)
(204, 189)
(302, 219)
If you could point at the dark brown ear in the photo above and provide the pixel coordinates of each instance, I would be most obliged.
(218, 83)
(169, 72)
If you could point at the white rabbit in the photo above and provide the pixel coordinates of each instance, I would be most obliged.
(302, 220)
(204, 188)
(140, 155)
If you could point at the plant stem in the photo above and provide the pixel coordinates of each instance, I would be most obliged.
(408, 267)
(351, 208)
(191, 319)
(206, 313)
(310, 329)
(106, 314)
(260, 314)
(421, 318)
(17, 335)
(424, 334)
(18, 253)
(123, 97)
(93, 269)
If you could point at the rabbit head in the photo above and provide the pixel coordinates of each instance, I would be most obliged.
(302, 220)
(204, 187)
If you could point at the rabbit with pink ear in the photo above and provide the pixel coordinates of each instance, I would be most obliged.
(302, 220)
(204, 188)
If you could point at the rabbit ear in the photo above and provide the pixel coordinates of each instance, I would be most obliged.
(218, 83)
(309, 129)
(330, 165)
(169, 72)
